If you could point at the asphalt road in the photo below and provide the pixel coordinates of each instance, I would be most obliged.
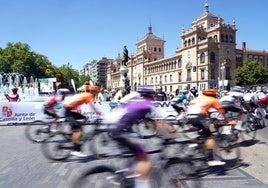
(23, 165)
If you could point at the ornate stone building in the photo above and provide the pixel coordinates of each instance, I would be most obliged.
(207, 58)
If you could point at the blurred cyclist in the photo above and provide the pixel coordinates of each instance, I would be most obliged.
(71, 105)
(52, 106)
(228, 102)
(197, 113)
(138, 105)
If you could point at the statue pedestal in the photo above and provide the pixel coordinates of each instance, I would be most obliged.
(123, 70)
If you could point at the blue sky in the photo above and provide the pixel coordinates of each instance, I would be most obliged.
(78, 31)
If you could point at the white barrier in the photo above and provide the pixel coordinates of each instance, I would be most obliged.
(23, 112)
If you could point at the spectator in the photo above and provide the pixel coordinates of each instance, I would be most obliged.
(194, 91)
(14, 97)
(102, 96)
(160, 95)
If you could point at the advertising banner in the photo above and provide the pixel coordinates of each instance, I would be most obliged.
(23, 112)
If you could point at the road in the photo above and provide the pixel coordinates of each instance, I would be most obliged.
(23, 165)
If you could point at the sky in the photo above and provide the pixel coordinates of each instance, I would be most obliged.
(79, 31)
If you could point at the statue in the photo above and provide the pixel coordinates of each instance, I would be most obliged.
(125, 56)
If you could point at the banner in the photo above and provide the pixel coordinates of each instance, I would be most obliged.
(23, 112)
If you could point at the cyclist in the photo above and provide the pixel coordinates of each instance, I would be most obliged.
(87, 97)
(228, 102)
(181, 97)
(52, 106)
(137, 105)
(263, 102)
(250, 102)
(197, 112)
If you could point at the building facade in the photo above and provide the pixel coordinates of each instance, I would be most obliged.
(207, 58)
(97, 70)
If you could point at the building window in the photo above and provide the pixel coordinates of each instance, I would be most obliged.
(179, 63)
(193, 41)
(159, 49)
(215, 38)
(228, 73)
(165, 78)
(156, 80)
(226, 38)
(189, 77)
(202, 58)
(170, 87)
(179, 77)
(231, 39)
(222, 38)
(170, 78)
(212, 57)
(152, 80)
(202, 74)
(155, 49)
(212, 74)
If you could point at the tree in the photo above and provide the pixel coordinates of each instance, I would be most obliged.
(251, 73)
(18, 58)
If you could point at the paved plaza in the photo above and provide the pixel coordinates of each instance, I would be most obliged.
(23, 165)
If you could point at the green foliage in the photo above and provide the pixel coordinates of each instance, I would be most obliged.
(252, 72)
(18, 58)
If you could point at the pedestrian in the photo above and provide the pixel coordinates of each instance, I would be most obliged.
(14, 97)
(102, 96)
(194, 91)
(160, 95)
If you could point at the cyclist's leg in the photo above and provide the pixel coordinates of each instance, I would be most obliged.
(236, 109)
(143, 167)
(76, 128)
(203, 124)
(51, 113)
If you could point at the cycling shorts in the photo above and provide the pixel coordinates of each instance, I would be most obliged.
(69, 113)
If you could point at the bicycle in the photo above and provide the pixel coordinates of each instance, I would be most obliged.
(255, 121)
(59, 145)
(175, 171)
(38, 131)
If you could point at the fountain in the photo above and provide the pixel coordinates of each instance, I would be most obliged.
(28, 90)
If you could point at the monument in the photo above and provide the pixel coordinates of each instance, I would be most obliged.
(124, 81)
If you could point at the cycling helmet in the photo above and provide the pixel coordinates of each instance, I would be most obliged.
(91, 88)
(62, 91)
(210, 92)
(146, 90)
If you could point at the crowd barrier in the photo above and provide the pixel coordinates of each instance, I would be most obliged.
(24, 112)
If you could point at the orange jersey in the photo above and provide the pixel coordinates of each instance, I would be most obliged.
(202, 104)
(78, 100)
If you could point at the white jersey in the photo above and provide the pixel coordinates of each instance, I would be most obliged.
(249, 97)
(261, 95)
(236, 94)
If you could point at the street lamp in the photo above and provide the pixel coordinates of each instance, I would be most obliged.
(222, 74)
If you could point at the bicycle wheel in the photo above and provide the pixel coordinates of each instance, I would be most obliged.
(57, 147)
(250, 132)
(227, 148)
(102, 145)
(144, 129)
(101, 177)
(260, 120)
(37, 131)
(175, 173)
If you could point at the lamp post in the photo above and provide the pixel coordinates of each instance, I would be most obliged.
(139, 76)
(222, 75)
